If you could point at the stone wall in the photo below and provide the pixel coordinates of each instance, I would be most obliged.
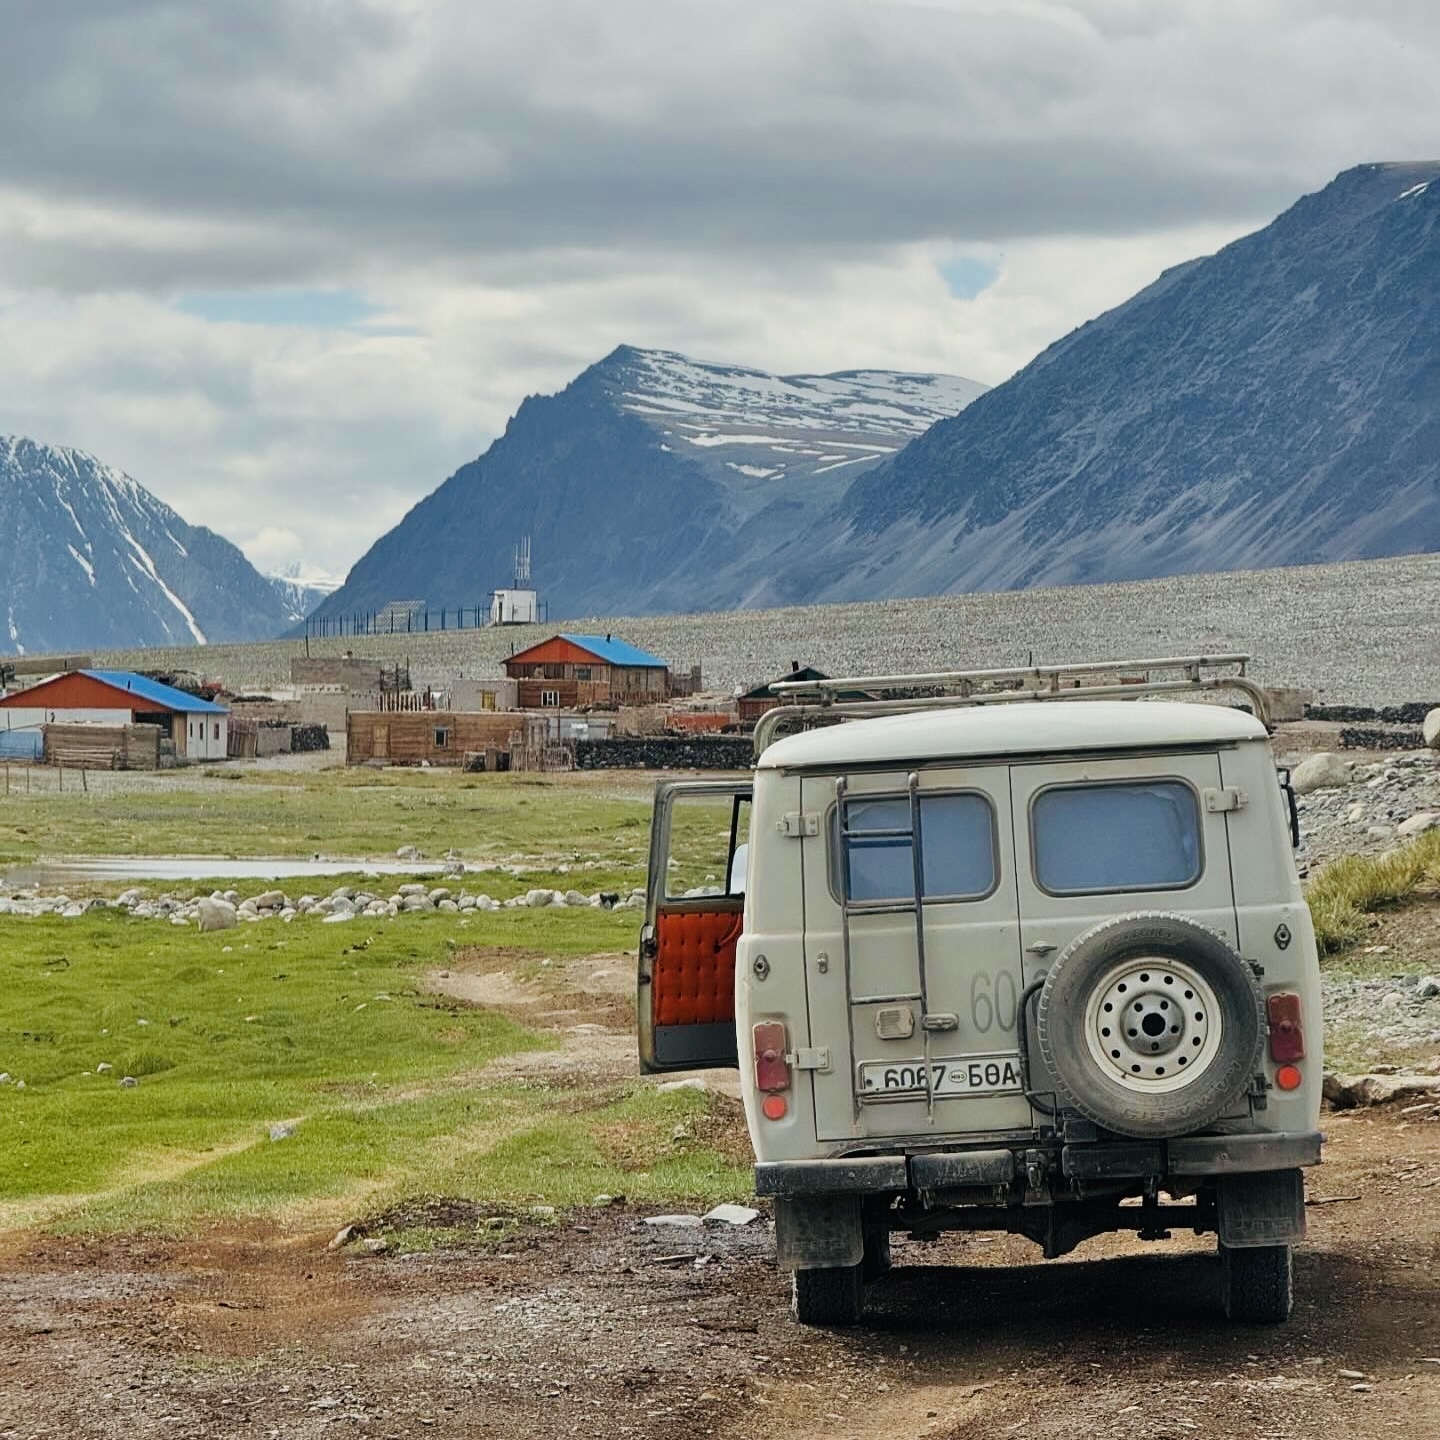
(1411, 713)
(1357, 737)
(665, 752)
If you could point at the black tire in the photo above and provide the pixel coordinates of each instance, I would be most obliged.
(877, 1253)
(829, 1297)
(1084, 1086)
(1258, 1285)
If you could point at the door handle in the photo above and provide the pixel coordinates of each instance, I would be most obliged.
(1041, 947)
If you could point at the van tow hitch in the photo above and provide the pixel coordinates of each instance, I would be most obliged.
(1151, 1227)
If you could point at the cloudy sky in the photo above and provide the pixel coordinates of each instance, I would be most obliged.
(291, 262)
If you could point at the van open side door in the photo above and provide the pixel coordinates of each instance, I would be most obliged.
(694, 910)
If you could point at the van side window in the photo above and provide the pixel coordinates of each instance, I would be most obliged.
(957, 848)
(1140, 835)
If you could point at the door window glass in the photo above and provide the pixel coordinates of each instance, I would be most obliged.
(707, 838)
(957, 845)
(1090, 839)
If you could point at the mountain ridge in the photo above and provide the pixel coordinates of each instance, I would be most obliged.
(1248, 408)
(95, 559)
(645, 461)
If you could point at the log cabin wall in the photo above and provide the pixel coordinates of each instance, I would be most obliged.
(442, 737)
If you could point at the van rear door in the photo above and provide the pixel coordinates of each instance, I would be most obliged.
(912, 954)
(694, 910)
(1104, 837)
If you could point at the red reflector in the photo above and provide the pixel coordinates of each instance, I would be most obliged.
(1287, 1039)
(771, 1071)
(773, 1107)
(1288, 1077)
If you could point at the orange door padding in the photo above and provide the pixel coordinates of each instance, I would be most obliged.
(694, 972)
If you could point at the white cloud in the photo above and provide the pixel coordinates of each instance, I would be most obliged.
(517, 189)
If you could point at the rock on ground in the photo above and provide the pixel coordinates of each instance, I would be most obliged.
(1431, 728)
(1320, 772)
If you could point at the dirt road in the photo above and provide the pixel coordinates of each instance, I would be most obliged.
(596, 1324)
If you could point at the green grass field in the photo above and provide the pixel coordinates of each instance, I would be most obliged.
(335, 811)
(323, 1026)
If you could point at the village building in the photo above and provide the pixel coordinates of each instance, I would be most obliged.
(754, 703)
(198, 729)
(471, 740)
(577, 671)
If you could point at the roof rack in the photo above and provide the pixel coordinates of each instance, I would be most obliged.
(808, 701)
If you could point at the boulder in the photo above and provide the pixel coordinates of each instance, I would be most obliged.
(270, 900)
(1430, 729)
(1321, 772)
(216, 914)
(1419, 823)
(406, 891)
(1345, 1092)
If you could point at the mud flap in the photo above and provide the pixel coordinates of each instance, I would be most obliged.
(1267, 1208)
(818, 1232)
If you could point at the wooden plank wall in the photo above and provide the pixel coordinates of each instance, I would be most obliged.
(403, 738)
(103, 747)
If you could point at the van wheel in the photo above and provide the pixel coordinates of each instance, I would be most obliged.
(1258, 1284)
(1150, 1025)
(829, 1296)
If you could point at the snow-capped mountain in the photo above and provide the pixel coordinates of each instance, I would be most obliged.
(89, 558)
(651, 482)
(300, 592)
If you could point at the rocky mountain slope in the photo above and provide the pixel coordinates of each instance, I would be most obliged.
(1276, 403)
(92, 559)
(651, 482)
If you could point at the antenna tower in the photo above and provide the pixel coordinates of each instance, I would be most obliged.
(522, 564)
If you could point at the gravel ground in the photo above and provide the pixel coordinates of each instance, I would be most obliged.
(1365, 817)
(1360, 633)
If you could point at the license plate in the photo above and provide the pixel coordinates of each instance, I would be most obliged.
(965, 1075)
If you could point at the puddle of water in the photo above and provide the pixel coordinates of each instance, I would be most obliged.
(50, 874)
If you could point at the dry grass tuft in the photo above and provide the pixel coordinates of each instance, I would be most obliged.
(1350, 888)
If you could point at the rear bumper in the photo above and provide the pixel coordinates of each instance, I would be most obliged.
(1196, 1155)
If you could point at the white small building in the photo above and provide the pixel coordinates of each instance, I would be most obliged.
(515, 607)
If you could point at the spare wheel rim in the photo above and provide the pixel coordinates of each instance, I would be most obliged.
(1153, 1024)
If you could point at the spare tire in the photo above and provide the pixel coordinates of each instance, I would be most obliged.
(1150, 1025)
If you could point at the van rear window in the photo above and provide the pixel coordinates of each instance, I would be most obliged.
(1093, 839)
(957, 847)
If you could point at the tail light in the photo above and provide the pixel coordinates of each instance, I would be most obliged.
(1287, 1037)
(772, 1074)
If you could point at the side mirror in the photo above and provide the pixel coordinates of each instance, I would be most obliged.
(1294, 809)
(738, 863)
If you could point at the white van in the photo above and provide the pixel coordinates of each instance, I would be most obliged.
(1000, 966)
